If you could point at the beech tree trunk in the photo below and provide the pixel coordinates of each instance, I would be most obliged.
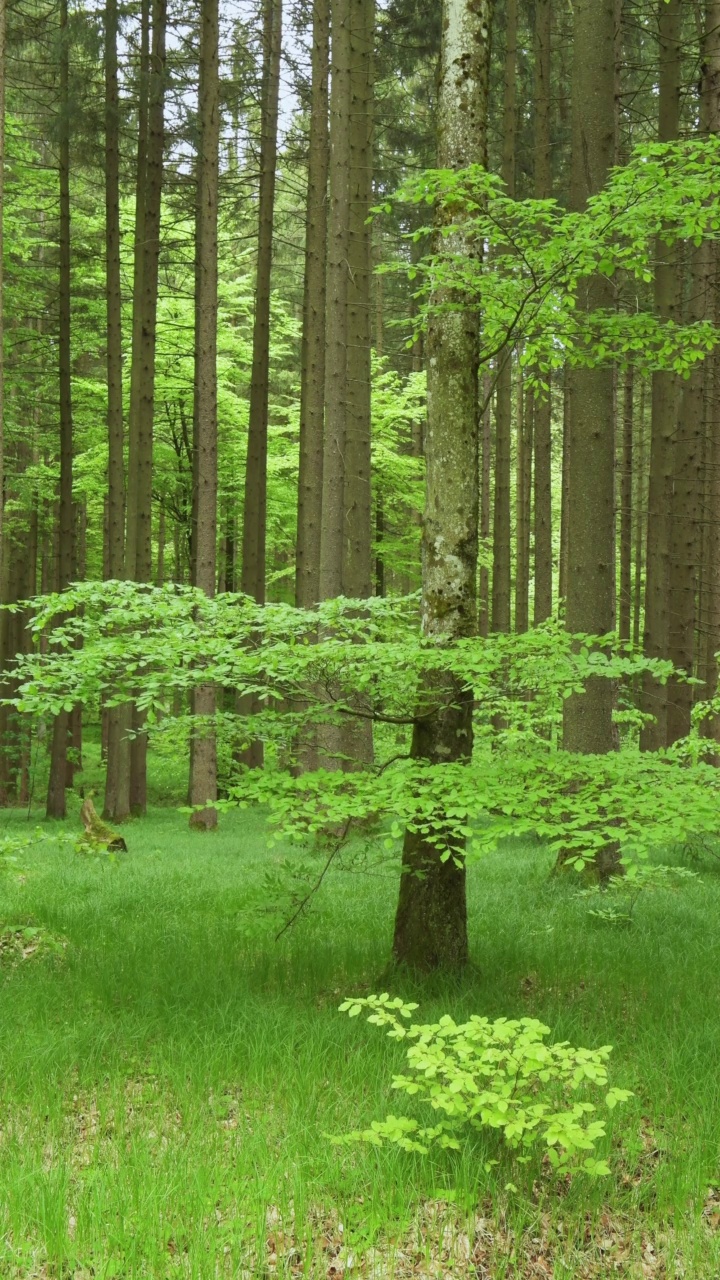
(117, 719)
(58, 759)
(542, 411)
(664, 407)
(203, 775)
(502, 548)
(312, 376)
(431, 919)
(255, 508)
(590, 604)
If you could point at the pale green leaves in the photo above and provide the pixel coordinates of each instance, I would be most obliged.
(501, 1075)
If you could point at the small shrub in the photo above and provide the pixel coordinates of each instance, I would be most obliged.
(498, 1075)
(615, 902)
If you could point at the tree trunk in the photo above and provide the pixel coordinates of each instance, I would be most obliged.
(203, 777)
(626, 507)
(502, 550)
(485, 508)
(564, 495)
(357, 506)
(138, 550)
(58, 760)
(639, 518)
(336, 371)
(542, 412)
(590, 605)
(255, 508)
(664, 407)
(710, 119)
(117, 777)
(431, 919)
(523, 510)
(312, 378)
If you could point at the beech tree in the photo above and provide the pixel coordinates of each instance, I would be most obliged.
(431, 919)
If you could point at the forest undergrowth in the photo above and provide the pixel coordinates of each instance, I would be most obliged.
(169, 1075)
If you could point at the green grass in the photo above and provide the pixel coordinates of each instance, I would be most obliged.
(168, 1081)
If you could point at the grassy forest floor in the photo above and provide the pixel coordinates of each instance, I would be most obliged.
(168, 1073)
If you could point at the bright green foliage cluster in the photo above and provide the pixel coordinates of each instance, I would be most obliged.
(499, 1075)
(615, 902)
(528, 285)
(313, 667)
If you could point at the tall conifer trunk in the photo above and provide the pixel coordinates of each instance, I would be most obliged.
(58, 758)
(357, 569)
(664, 407)
(626, 508)
(542, 408)
(203, 776)
(336, 372)
(502, 550)
(138, 548)
(312, 385)
(710, 119)
(117, 777)
(431, 919)
(3, 552)
(255, 507)
(590, 605)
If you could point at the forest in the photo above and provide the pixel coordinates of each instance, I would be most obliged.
(359, 639)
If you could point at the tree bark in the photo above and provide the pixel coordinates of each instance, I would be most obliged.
(138, 551)
(523, 490)
(431, 919)
(663, 407)
(626, 507)
(502, 540)
(336, 370)
(58, 760)
(117, 777)
(312, 378)
(710, 119)
(590, 605)
(357, 567)
(485, 508)
(542, 412)
(203, 776)
(255, 507)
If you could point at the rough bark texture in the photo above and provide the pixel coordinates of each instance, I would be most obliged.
(3, 27)
(138, 550)
(502, 550)
(626, 508)
(336, 373)
(254, 531)
(542, 412)
(431, 919)
(485, 508)
(663, 407)
(58, 759)
(117, 777)
(357, 576)
(203, 774)
(312, 385)
(590, 605)
(255, 506)
(523, 490)
(711, 586)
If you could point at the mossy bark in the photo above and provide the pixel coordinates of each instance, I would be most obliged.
(431, 920)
